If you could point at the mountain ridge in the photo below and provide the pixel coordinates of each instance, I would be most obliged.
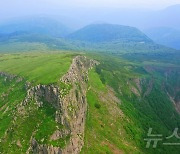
(38, 25)
(108, 32)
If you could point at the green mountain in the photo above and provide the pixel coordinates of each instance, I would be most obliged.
(108, 33)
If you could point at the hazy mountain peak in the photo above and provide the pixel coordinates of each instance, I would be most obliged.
(109, 32)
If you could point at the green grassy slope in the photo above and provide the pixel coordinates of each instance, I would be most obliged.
(154, 110)
(13, 46)
(20, 123)
(11, 94)
(37, 67)
(19, 126)
(104, 132)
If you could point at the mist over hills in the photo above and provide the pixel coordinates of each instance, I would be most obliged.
(36, 25)
(151, 22)
(140, 18)
(166, 36)
(109, 38)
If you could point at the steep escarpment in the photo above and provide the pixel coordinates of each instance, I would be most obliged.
(172, 86)
(141, 87)
(70, 106)
(50, 118)
(169, 81)
(75, 103)
(144, 104)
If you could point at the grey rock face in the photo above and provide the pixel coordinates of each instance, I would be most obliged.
(70, 108)
(10, 77)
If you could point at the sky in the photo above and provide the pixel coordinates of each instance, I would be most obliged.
(74, 9)
(24, 7)
(120, 3)
(44, 5)
(95, 3)
(10, 7)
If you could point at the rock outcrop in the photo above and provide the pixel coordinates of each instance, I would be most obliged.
(139, 83)
(70, 107)
(10, 77)
(75, 103)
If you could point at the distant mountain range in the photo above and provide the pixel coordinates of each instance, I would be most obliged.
(162, 26)
(140, 18)
(166, 36)
(102, 37)
(38, 25)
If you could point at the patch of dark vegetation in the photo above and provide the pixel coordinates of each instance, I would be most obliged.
(98, 106)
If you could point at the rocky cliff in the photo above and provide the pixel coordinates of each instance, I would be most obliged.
(70, 104)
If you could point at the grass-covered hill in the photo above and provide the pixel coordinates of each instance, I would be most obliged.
(108, 33)
(38, 68)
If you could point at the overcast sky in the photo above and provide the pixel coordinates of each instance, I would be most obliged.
(9, 5)
(119, 3)
(16, 8)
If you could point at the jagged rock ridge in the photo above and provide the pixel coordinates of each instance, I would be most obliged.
(70, 108)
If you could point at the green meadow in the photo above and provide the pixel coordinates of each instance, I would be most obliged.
(38, 67)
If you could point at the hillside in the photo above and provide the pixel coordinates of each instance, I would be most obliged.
(91, 103)
(108, 33)
(111, 38)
